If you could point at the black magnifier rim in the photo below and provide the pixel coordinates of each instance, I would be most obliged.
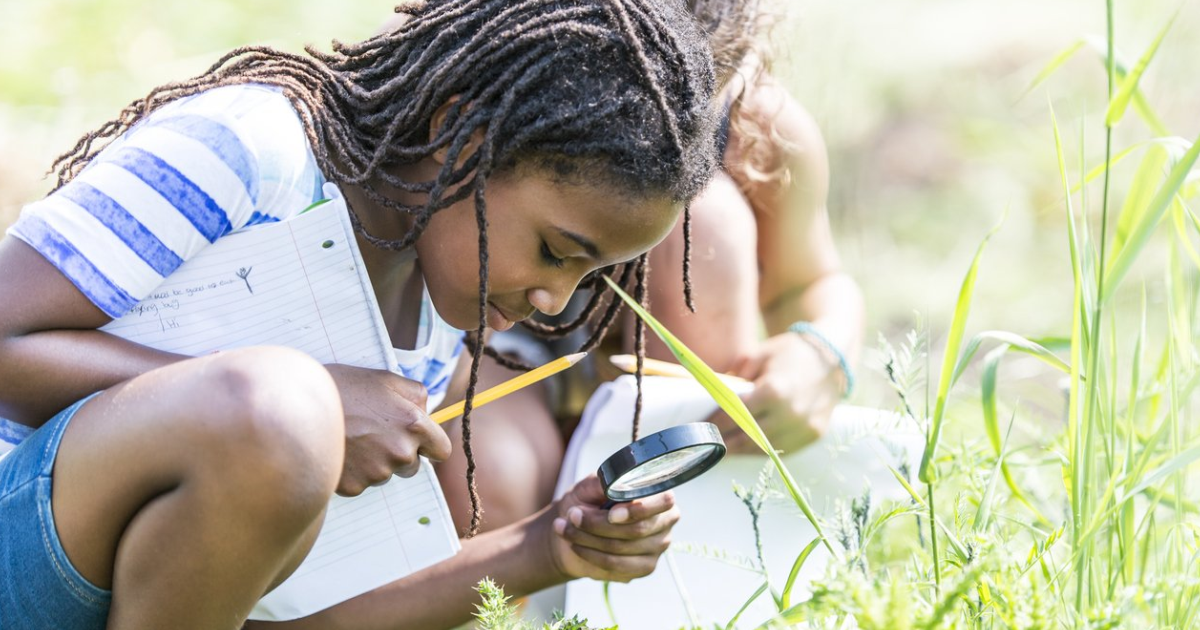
(657, 445)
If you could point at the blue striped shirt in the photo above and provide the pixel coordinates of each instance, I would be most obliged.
(193, 171)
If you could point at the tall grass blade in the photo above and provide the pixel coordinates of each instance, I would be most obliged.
(786, 597)
(1051, 67)
(991, 425)
(738, 615)
(958, 324)
(1129, 84)
(984, 513)
(730, 403)
(1140, 234)
(1141, 191)
(1016, 342)
(1140, 104)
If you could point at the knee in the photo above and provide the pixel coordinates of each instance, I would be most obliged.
(273, 418)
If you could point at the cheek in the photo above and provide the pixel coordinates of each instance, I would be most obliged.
(448, 252)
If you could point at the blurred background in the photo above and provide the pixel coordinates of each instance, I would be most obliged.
(932, 134)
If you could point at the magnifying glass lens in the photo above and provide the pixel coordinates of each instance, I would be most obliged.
(660, 461)
(660, 469)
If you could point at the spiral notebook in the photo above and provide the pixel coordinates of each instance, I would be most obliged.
(301, 283)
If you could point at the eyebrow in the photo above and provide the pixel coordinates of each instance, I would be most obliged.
(587, 245)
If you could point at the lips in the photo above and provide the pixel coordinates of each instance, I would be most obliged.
(500, 319)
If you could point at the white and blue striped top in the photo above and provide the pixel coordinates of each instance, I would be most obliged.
(193, 171)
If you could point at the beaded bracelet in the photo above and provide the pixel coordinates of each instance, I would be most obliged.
(806, 328)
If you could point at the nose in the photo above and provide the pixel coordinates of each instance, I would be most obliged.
(550, 301)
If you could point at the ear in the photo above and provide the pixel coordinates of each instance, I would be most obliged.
(435, 124)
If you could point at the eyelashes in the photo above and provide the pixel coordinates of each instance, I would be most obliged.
(549, 258)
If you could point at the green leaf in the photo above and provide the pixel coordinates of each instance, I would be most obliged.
(1017, 342)
(1129, 84)
(762, 589)
(730, 403)
(786, 598)
(984, 513)
(1051, 67)
(1141, 191)
(1140, 234)
(957, 325)
(1147, 113)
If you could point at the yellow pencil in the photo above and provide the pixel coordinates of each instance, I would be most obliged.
(509, 386)
(654, 367)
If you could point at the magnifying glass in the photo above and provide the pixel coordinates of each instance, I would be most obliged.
(661, 461)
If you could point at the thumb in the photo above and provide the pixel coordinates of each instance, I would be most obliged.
(589, 491)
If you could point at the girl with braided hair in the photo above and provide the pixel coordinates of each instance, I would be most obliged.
(765, 262)
(494, 155)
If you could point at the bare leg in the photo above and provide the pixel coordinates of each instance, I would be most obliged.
(518, 452)
(193, 489)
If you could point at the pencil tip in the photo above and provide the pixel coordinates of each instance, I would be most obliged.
(575, 358)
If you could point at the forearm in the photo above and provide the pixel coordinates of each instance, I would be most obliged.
(833, 304)
(443, 595)
(41, 373)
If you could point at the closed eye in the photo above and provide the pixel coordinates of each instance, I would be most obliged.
(549, 257)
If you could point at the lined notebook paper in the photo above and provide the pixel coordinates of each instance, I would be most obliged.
(301, 283)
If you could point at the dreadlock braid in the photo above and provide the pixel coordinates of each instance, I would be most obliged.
(604, 92)
(639, 327)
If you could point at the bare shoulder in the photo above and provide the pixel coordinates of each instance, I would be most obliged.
(776, 147)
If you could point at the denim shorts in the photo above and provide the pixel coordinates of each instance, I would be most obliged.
(39, 588)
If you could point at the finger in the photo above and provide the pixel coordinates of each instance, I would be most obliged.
(407, 469)
(639, 509)
(350, 486)
(596, 523)
(655, 543)
(617, 568)
(410, 390)
(589, 491)
(432, 441)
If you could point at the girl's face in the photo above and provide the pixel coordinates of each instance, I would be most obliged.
(543, 238)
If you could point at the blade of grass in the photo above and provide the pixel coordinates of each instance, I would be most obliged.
(983, 514)
(762, 589)
(1141, 191)
(1121, 69)
(1129, 84)
(991, 425)
(786, 597)
(1051, 67)
(958, 324)
(1140, 234)
(959, 548)
(729, 402)
(1016, 342)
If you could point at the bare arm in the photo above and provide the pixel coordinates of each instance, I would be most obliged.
(573, 537)
(801, 274)
(50, 353)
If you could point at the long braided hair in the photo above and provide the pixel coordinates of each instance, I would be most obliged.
(610, 92)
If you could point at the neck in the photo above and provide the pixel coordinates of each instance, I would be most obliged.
(395, 275)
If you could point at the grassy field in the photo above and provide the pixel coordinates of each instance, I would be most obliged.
(935, 138)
